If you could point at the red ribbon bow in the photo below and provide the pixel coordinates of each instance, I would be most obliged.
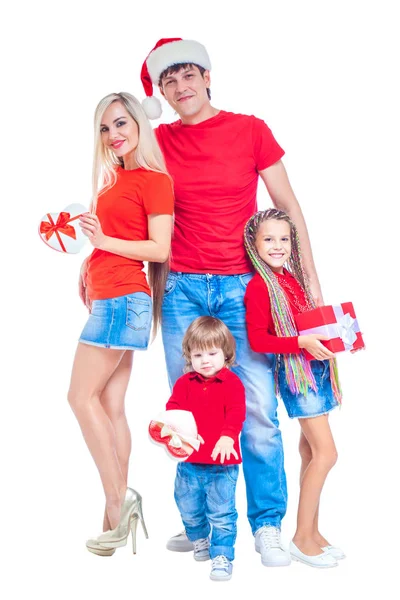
(61, 226)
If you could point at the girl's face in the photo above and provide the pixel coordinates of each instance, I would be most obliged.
(207, 362)
(273, 243)
(119, 131)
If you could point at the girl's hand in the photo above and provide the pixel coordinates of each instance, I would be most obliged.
(225, 448)
(312, 344)
(91, 227)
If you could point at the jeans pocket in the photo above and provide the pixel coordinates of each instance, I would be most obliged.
(232, 473)
(138, 312)
(170, 284)
(181, 487)
(223, 487)
(245, 278)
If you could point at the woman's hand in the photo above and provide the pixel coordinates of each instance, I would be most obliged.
(225, 448)
(82, 284)
(91, 227)
(312, 344)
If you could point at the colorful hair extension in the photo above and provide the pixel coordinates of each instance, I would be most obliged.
(298, 371)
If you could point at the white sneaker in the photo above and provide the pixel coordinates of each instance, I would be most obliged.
(335, 552)
(268, 544)
(201, 549)
(221, 569)
(320, 561)
(180, 543)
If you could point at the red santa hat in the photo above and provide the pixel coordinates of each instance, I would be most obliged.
(168, 52)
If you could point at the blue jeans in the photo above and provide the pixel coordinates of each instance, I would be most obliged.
(188, 296)
(205, 496)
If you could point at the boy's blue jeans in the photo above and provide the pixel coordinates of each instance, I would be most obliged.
(188, 296)
(205, 496)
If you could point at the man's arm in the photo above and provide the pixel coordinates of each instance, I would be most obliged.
(282, 195)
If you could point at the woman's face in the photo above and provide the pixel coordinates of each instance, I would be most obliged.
(119, 131)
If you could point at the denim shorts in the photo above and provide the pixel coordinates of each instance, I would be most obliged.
(121, 323)
(315, 403)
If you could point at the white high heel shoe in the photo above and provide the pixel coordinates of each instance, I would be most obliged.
(131, 513)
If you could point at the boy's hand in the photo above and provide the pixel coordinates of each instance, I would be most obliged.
(225, 448)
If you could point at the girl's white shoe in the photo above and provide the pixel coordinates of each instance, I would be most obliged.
(320, 561)
(335, 552)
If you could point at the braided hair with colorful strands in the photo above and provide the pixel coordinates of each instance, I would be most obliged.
(298, 371)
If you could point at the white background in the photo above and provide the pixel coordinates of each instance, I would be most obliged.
(323, 75)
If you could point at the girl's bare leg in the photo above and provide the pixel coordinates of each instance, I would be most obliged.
(113, 401)
(306, 456)
(318, 434)
(93, 366)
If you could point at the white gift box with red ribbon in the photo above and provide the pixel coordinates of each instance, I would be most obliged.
(61, 230)
(337, 322)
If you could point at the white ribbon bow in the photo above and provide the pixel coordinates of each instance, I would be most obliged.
(347, 329)
(175, 441)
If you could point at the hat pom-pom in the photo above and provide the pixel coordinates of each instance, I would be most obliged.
(152, 107)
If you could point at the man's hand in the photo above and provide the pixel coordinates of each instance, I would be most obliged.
(225, 448)
(316, 293)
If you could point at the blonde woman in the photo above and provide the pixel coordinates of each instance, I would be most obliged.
(130, 222)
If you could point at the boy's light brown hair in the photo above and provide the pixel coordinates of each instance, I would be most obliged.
(205, 333)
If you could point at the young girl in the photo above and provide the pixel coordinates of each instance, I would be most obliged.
(309, 389)
(130, 222)
(205, 484)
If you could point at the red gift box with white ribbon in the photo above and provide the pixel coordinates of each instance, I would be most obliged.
(338, 323)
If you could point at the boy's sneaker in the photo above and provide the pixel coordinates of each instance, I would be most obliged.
(180, 543)
(221, 569)
(201, 549)
(268, 544)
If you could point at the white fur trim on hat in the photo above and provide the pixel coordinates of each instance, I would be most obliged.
(152, 107)
(182, 51)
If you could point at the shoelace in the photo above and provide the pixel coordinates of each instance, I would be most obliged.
(270, 536)
(220, 562)
(200, 545)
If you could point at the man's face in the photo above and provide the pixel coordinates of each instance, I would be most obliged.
(186, 90)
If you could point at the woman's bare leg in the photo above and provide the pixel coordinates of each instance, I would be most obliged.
(323, 457)
(113, 401)
(93, 366)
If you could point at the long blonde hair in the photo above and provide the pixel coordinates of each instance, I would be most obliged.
(148, 156)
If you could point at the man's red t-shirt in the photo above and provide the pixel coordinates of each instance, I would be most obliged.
(218, 405)
(214, 166)
(122, 211)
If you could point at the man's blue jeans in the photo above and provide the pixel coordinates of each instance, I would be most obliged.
(205, 496)
(188, 296)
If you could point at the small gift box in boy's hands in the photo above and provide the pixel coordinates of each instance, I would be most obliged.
(338, 323)
(176, 429)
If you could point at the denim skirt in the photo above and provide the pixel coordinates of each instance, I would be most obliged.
(313, 404)
(121, 323)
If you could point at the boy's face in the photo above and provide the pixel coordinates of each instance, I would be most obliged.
(186, 90)
(207, 362)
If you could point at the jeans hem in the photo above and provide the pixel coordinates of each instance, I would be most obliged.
(227, 551)
(269, 524)
(200, 534)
